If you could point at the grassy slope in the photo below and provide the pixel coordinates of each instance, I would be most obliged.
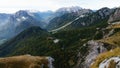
(114, 41)
(23, 61)
(9, 46)
(64, 52)
(103, 56)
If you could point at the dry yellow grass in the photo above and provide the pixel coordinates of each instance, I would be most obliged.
(112, 64)
(113, 40)
(25, 61)
(103, 56)
(113, 26)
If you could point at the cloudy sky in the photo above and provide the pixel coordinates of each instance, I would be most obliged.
(11, 6)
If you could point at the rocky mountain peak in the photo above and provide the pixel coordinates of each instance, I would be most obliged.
(69, 9)
(21, 13)
(115, 16)
(73, 9)
(104, 12)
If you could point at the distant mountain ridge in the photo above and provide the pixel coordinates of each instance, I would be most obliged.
(88, 18)
(12, 24)
(81, 40)
(67, 14)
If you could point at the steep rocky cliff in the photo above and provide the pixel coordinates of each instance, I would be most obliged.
(94, 49)
(115, 16)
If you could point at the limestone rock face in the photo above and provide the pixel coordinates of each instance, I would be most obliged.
(104, 12)
(94, 49)
(115, 16)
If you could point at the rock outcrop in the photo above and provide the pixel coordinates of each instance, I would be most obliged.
(115, 16)
(94, 49)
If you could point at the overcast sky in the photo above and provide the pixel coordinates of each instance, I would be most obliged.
(11, 6)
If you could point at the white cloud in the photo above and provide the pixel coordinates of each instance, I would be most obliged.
(44, 5)
(14, 5)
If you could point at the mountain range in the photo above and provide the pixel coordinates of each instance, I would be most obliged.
(75, 37)
(13, 24)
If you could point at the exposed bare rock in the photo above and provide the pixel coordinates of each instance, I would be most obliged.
(110, 63)
(111, 32)
(115, 16)
(95, 48)
(104, 12)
